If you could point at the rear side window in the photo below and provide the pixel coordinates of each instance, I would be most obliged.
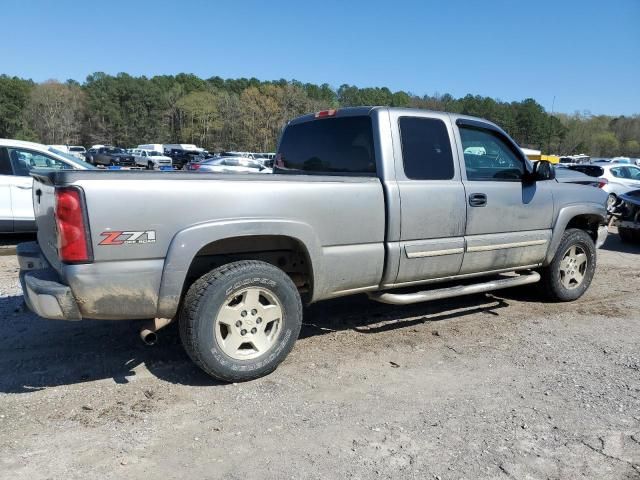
(426, 149)
(5, 163)
(328, 146)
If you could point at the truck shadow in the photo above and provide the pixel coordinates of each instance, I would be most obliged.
(615, 244)
(36, 353)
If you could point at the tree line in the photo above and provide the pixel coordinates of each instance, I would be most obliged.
(248, 114)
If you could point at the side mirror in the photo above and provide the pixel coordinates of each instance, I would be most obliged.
(543, 170)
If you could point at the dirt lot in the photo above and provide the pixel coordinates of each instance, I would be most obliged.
(490, 386)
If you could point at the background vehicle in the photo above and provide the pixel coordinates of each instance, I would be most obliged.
(110, 156)
(180, 158)
(75, 150)
(366, 200)
(627, 211)
(620, 179)
(151, 159)
(569, 175)
(228, 165)
(156, 147)
(17, 160)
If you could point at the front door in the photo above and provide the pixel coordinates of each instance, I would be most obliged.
(508, 220)
(431, 197)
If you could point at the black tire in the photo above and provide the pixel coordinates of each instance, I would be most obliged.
(150, 166)
(612, 200)
(551, 283)
(208, 295)
(626, 234)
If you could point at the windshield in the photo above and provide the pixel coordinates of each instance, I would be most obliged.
(115, 150)
(154, 153)
(75, 160)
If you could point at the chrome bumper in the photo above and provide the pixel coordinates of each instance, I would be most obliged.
(44, 293)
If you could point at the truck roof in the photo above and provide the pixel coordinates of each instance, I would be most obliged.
(357, 111)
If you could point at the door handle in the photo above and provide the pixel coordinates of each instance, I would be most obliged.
(477, 199)
(24, 187)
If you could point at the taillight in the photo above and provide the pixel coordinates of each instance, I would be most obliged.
(602, 182)
(195, 166)
(73, 231)
(326, 113)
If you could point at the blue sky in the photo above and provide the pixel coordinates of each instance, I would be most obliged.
(586, 53)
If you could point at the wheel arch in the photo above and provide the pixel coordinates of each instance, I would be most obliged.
(291, 246)
(587, 217)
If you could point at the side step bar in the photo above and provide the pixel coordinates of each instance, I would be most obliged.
(439, 293)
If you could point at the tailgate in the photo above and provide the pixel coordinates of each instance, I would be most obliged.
(44, 206)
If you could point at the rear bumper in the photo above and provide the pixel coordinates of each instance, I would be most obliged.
(44, 292)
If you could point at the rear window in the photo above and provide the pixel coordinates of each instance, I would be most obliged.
(341, 146)
(426, 149)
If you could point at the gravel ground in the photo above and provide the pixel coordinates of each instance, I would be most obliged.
(490, 386)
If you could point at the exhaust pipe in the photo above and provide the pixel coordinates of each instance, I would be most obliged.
(148, 333)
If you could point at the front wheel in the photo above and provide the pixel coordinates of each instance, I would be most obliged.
(612, 199)
(240, 321)
(570, 272)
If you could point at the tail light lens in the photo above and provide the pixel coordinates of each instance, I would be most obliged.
(602, 182)
(73, 232)
(195, 166)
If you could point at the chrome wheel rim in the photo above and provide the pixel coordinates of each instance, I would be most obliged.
(611, 200)
(573, 267)
(249, 323)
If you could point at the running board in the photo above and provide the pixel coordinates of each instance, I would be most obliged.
(439, 293)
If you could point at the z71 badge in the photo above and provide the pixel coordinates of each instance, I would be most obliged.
(116, 237)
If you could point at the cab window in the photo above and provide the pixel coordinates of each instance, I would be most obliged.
(487, 156)
(426, 149)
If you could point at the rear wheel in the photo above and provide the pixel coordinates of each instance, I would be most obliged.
(240, 321)
(570, 272)
(150, 166)
(612, 199)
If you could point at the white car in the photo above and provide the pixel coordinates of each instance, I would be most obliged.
(17, 160)
(151, 159)
(77, 151)
(621, 178)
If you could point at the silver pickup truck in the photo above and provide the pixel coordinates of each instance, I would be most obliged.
(403, 205)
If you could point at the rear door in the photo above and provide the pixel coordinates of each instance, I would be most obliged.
(6, 179)
(508, 220)
(431, 196)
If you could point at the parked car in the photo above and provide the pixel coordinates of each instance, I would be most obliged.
(569, 175)
(375, 200)
(621, 179)
(17, 160)
(150, 159)
(180, 158)
(627, 211)
(77, 151)
(110, 156)
(155, 147)
(229, 165)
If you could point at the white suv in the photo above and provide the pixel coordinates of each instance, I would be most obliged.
(17, 160)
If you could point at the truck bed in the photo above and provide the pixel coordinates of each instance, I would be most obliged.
(175, 215)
